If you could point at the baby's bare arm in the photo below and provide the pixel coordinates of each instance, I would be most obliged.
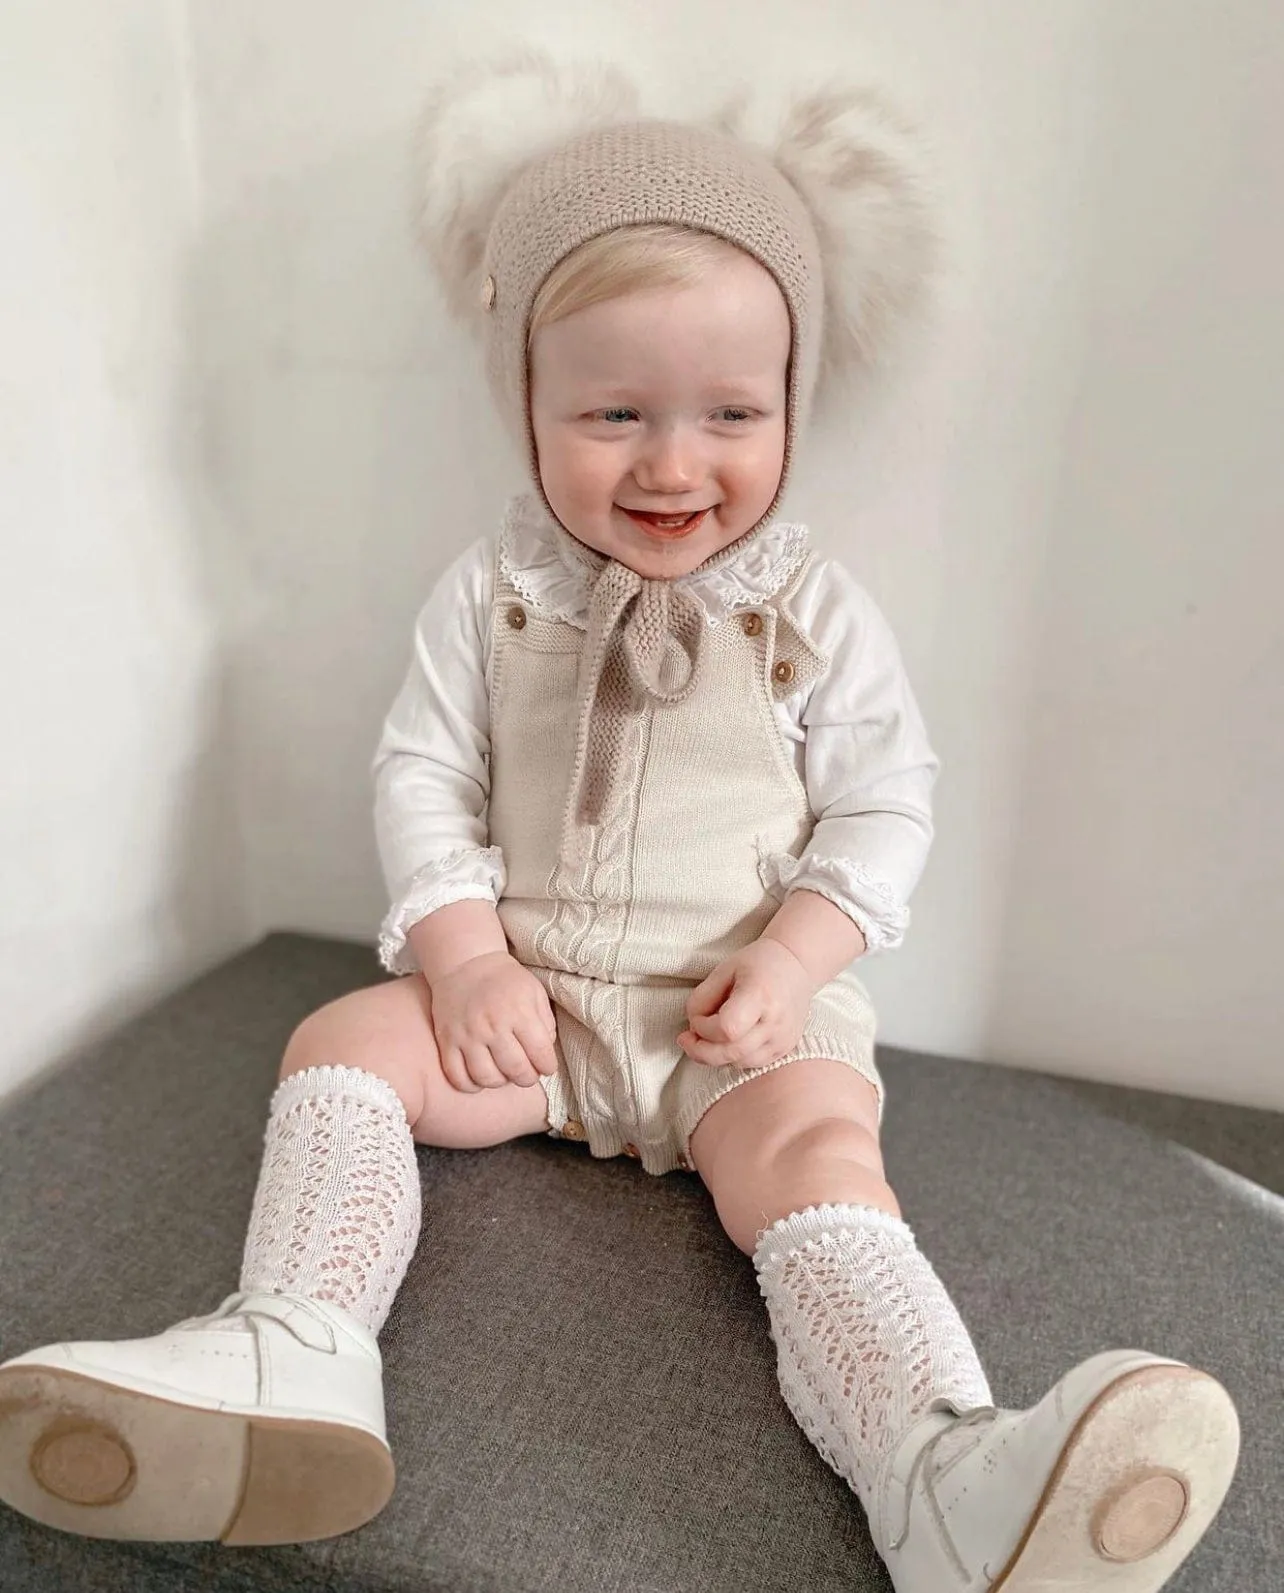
(822, 937)
(455, 934)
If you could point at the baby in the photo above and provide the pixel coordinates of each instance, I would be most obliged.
(655, 781)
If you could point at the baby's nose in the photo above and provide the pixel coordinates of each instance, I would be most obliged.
(672, 463)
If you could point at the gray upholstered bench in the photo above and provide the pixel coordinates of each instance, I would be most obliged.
(581, 1389)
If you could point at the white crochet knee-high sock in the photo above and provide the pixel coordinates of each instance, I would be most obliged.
(866, 1335)
(337, 1210)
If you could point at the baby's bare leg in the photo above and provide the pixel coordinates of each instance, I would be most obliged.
(805, 1134)
(866, 1335)
(264, 1423)
(338, 1206)
(387, 1030)
(271, 1425)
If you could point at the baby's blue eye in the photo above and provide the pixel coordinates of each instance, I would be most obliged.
(610, 414)
(736, 413)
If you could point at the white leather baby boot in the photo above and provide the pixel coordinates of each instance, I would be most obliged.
(260, 1423)
(1104, 1486)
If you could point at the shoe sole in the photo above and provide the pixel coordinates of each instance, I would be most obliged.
(1142, 1475)
(107, 1462)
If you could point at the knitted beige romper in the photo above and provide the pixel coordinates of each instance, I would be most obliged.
(621, 919)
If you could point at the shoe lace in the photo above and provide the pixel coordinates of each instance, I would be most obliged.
(968, 1418)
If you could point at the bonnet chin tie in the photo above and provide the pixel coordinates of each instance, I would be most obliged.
(644, 643)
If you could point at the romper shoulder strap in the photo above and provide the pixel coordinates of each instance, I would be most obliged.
(797, 662)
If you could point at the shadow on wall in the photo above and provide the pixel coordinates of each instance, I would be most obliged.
(196, 916)
(165, 900)
(346, 453)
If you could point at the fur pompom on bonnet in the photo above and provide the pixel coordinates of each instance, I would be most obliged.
(520, 160)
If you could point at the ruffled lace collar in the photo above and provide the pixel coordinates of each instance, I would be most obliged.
(554, 573)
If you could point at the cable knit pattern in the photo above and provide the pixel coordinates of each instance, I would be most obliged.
(337, 1210)
(869, 901)
(590, 882)
(622, 918)
(466, 874)
(866, 1335)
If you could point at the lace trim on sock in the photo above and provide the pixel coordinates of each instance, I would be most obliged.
(813, 1222)
(319, 1081)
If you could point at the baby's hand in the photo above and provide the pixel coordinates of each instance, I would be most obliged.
(494, 1024)
(751, 1009)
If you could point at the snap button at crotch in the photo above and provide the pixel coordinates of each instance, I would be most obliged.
(573, 1129)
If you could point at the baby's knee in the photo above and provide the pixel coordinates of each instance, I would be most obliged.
(382, 1030)
(313, 1037)
(827, 1141)
(306, 1043)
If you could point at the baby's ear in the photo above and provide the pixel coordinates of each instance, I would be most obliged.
(482, 123)
(862, 168)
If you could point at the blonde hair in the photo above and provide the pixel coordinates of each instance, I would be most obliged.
(625, 260)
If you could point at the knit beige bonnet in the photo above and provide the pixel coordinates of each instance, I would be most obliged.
(522, 161)
(627, 175)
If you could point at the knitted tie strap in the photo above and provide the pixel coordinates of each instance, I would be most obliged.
(661, 638)
(644, 642)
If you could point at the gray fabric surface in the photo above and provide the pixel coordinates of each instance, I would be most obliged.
(1246, 1140)
(581, 1388)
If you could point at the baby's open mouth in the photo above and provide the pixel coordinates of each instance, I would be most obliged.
(672, 523)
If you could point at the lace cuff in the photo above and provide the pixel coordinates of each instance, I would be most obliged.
(470, 874)
(870, 902)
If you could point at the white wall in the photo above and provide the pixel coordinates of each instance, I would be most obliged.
(356, 453)
(1145, 919)
(1083, 456)
(114, 838)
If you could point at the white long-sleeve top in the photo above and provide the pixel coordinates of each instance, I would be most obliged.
(856, 733)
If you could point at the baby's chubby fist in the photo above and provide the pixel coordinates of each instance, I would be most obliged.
(494, 1024)
(751, 1010)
